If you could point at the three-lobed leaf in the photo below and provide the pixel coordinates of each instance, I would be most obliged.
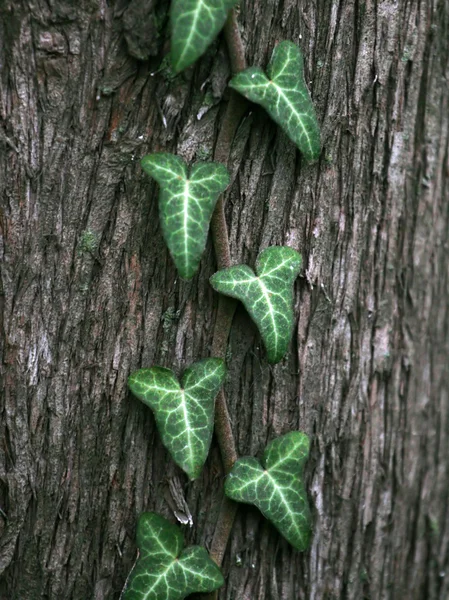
(285, 96)
(164, 570)
(186, 203)
(194, 25)
(184, 413)
(266, 295)
(276, 486)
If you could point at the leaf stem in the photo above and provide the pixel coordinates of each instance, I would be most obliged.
(234, 42)
(226, 306)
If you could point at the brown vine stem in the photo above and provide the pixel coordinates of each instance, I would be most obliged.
(226, 306)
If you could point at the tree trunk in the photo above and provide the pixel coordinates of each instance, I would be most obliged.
(89, 294)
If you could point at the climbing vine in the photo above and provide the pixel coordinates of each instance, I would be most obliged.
(186, 411)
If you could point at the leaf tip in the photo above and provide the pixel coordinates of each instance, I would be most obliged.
(213, 280)
(145, 162)
(312, 155)
(274, 358)
(133, 381)
(186, 274)
(176, 64)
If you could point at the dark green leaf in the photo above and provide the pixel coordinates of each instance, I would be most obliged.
(194, 25)
(276, 486)
(285, 96)
(267, 296)
(186, 203)
(184, 415)
(164, 571)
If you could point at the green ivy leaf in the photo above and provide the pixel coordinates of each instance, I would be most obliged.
(184, 415)
(186, 203)
(164, 570)
(194, 25)
(267, 296)
(284, 94)
(276, 486)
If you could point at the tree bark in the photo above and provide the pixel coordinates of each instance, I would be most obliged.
(89, 294)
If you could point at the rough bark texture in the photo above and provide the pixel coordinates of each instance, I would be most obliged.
(89, 293)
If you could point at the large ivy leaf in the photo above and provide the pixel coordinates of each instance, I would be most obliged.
(267, 296)
(186, 203)
(164, 571)
(285, 96)
(184, 414)
(276, 486)
(194, 25)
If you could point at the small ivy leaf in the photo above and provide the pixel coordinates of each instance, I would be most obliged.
(164, 569)
(267, 296)
(186, 203)
(284, 94)
(184, 415)
(276, 486)
(194, 26)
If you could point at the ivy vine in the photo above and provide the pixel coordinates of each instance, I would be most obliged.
(189, 202)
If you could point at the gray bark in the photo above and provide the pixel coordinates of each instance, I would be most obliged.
(89, 294)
